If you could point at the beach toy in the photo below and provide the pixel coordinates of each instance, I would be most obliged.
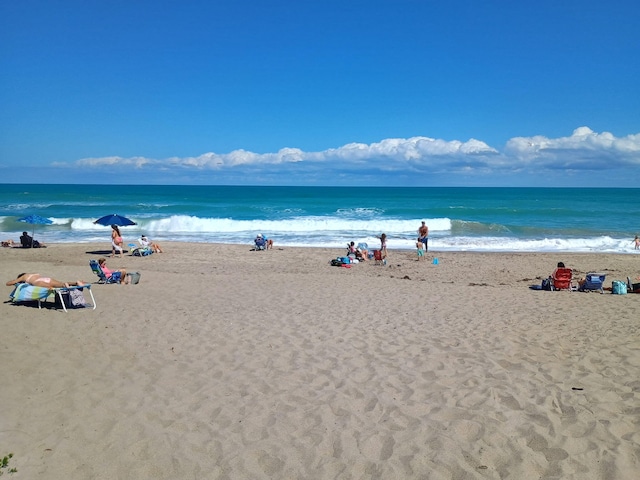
(435, 260)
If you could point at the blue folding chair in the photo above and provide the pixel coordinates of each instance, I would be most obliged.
(593, 282)
(102, 277)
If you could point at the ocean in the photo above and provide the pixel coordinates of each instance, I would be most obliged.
(459, 219)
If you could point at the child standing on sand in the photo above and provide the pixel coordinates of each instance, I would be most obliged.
(383, 244)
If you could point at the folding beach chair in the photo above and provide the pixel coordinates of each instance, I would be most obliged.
(141, 251)
(561, 279)
(23, 292)
(102, 277)
(379, 258)
(593, 282)
(260, 243)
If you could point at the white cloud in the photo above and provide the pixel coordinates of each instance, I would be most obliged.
(583, 150)
(119, 161)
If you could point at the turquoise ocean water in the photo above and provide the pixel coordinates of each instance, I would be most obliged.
(459, 219)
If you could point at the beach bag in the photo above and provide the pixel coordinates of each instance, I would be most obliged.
(618, 287)
(546, 284)
(336, 262)
(71, 298)
(76, 298)
(134, 278)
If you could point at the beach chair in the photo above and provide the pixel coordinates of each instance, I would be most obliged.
(141, 251)
(260, 243)
(561, 279)
(23, 292)
(102, 278)
(632, 287)
(593, 282)
(378, 258)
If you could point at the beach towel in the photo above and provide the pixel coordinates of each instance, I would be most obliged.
(23, 292)
(71, 297)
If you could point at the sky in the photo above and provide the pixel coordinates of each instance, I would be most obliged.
(349, 92)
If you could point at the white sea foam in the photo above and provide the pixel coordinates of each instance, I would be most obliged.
(330, 231)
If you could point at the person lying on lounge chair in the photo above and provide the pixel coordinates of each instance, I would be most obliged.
(38, 280)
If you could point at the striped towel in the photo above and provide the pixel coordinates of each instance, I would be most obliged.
(25, 292)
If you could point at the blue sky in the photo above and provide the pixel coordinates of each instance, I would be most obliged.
(376, 92)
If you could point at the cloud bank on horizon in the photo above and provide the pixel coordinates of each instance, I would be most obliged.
(391, 161)
(402, 93)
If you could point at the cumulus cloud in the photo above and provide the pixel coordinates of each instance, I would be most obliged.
(119, 161)
(584, 149)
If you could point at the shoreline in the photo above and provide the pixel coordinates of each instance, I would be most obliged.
(228, 363)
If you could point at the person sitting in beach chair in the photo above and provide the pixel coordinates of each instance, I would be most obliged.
(592, 282)
(145, 242)
(27, 241)
(356, 252)
(561, 278)
(106, 275)
(143, 250)
(260, 242)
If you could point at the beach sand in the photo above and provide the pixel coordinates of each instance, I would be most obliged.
(224, 363)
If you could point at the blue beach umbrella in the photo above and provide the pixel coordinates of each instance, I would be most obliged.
(114, 219)
(35, 220)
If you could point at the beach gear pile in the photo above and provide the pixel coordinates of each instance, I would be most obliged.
(343, 262)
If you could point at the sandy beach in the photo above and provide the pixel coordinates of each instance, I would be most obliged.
(224, 363)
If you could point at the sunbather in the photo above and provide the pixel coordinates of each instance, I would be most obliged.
(38, 280)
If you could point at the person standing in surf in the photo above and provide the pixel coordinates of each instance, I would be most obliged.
(423, 235)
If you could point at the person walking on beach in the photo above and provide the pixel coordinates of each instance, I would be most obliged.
(423, 235)
(116, 240)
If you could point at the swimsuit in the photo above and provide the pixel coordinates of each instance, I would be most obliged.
(106, 271)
